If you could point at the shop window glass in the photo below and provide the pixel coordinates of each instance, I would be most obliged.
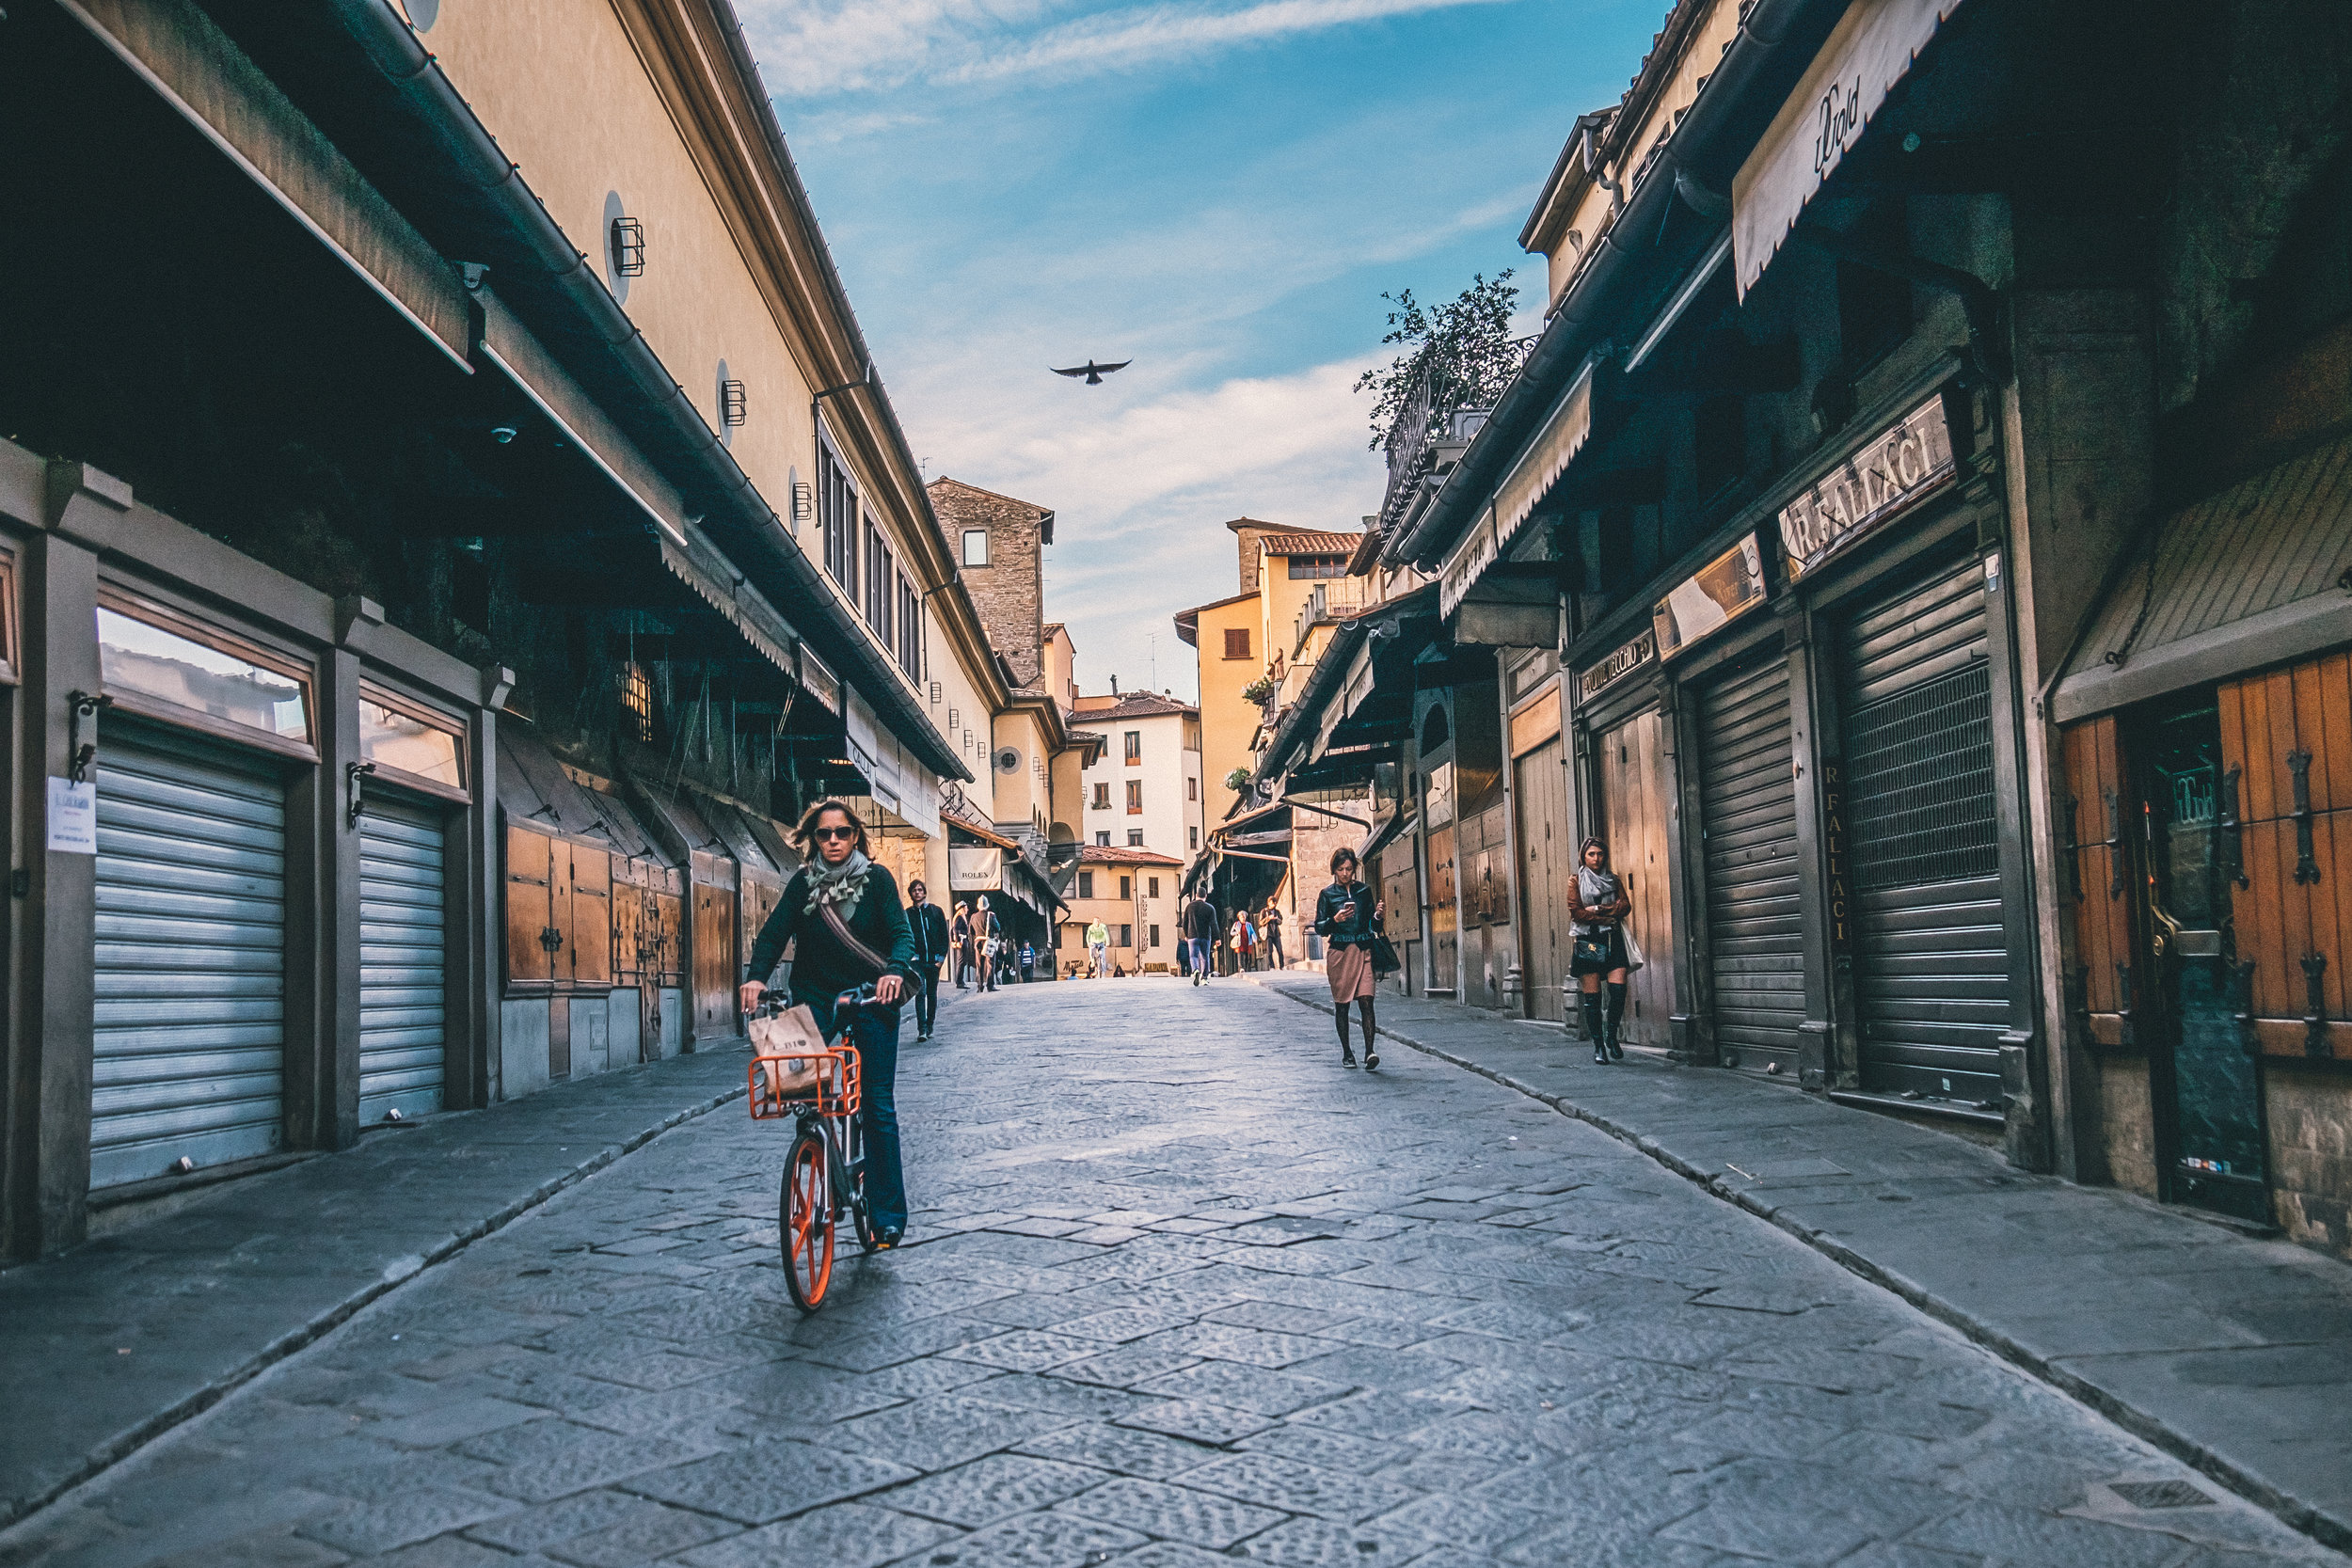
(141, 660)
(392, 738)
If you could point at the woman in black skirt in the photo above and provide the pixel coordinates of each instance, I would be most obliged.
(1598, 926)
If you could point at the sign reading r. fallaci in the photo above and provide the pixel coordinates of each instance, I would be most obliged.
(1893, 470)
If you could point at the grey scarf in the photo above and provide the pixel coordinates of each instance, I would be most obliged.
(841, 886)
(1593, 889)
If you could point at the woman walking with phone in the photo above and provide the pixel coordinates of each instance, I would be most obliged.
(844, 927)
(1596, 926)
(1347, 918)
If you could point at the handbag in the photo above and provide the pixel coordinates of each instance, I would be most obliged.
(795, 1030)
(1634, 959)
(1384, 959)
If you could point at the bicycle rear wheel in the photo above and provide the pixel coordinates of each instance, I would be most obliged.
(805, 1221)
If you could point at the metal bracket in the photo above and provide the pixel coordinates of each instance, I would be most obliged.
(2077, 983)
(2126, 1034)
(550, 938)
(2306, 860)
(2316, 998)
(79, 754)
(2113, 843)
(2229, 832)
(353, 774)
(2074, 848)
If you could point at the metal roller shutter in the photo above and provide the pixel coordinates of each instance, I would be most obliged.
(1929, 956)
(191, 956)
(402, 962)
(1748, 802)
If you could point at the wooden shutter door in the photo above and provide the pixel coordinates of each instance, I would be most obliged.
(2098, 805)
(527, 907)
(2286, 759)
(592, 916)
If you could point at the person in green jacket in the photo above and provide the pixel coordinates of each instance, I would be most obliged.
(864, 896)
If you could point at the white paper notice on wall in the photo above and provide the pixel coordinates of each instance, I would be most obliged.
(72, 817)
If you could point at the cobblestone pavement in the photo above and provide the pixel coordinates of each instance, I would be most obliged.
(1183, 1292)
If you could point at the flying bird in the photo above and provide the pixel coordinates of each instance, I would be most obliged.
(1092, 371)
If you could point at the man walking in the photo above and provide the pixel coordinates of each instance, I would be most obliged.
(1270, 931)
(987, 944)
(929, 925)
(1029, 963)
(1200, 931)
(1097, 942)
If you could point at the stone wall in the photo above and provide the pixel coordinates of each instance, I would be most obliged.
(1010, 590)
(2311, 1154)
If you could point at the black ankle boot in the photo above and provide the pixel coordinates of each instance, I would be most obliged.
(1592, 1027)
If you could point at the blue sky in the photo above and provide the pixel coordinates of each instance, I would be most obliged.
(1219, 189)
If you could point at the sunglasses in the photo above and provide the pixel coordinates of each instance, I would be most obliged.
(828, 835)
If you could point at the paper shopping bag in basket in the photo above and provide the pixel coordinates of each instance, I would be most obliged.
(794, 1029)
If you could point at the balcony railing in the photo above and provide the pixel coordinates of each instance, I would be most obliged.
(1339, 597)
(1434, 415)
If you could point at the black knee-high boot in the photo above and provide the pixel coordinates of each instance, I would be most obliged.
(1593, 1025)
(1339, 1015)
(1616, 1016)
(1372, 1038)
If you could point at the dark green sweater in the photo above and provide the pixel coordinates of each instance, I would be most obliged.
(822, 969)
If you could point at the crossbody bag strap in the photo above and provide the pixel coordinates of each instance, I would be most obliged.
(842, 934)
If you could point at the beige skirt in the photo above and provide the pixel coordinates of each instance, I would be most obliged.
(1349, 970)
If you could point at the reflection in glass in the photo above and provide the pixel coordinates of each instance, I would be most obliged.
(153, 662)
(390, 738)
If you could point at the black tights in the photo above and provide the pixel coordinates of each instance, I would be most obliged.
(1339, 1016)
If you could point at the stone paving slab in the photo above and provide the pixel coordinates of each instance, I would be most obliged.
(125, 1336)
(2231, 1351)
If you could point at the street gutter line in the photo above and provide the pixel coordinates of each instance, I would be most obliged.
(2304, 1517)
(15, 1511)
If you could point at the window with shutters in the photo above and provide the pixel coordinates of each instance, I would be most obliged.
(836, 518)
(1133, 748)
(1154, 933)
(1135, 797)
(1126, 888)
(1102, 840)
(1237, 642)
(1192, 838)
(1135, 838)
(1304, 567)
(1102, 797)
(1152, 890)
(1086, 884)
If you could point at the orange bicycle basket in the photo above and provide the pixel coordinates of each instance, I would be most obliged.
(786, 1082)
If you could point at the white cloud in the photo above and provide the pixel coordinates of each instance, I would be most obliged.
(818, 47)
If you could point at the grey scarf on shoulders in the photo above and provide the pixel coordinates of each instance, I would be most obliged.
(841, 886)
(1594, 889)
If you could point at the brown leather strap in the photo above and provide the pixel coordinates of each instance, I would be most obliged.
(858, 950)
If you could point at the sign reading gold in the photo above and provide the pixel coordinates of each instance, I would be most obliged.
(1895, 471)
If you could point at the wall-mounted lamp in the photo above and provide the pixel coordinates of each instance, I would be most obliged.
(629, 247)
(733, 407)
(80, 753)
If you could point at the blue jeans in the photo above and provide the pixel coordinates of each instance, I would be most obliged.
(1200, 950)
(875, 1033)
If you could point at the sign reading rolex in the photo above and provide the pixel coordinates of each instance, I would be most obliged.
(1893, 471)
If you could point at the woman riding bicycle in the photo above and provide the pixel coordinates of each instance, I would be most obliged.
(845, 927)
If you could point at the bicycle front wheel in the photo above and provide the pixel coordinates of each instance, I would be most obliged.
(805, 1221)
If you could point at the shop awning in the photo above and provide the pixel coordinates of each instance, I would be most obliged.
(1565, 430)
(2258, 574)
(1870, 50)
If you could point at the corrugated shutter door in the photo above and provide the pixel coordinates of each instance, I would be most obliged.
(191, 955)
(1929, 960)
(402, 962)
(1748, 799)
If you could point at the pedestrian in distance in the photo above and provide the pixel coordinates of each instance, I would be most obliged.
(961, 934)
(1271, 926)
(1597, 930)
(1200, 935)
(1098, 943)
(1029, 963)
(842, 926)
(987, 941)
(930, 927)
(1347, 917)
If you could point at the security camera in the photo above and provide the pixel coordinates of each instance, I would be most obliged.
(501, 434)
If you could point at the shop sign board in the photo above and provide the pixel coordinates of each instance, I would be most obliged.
(1609, 671)
(975, 869)
(1870, 50)
(1709, 598)
(1893, 471)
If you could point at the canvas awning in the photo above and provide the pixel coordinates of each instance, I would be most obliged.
(1564, 433)
(2258, 574)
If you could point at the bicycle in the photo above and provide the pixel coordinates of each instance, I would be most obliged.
(824, 1175)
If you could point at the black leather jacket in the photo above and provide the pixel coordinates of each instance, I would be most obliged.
(1356, 932)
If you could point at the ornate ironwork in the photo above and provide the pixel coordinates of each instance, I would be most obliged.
(2306, 860)
(2128, 1034)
